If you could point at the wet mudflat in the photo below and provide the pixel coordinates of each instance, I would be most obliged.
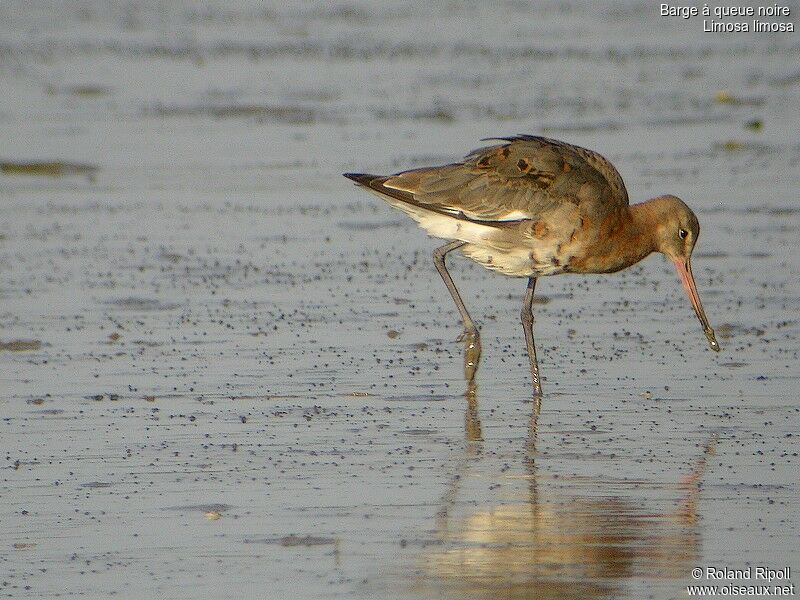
(226, 373)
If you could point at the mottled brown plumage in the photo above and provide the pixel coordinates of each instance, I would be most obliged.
(533, 206)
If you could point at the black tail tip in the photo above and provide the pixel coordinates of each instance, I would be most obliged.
(361, 178)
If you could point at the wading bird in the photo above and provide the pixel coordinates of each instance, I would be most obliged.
(532, 206)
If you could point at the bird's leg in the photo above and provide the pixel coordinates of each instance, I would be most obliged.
(470, 337)
(527, 326)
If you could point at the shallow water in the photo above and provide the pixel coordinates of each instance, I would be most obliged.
(226, 372)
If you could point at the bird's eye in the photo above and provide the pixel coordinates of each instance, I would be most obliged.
(683, 233)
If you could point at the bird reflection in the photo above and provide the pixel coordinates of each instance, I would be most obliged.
(557, 546)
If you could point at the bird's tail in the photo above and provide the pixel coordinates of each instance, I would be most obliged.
(362, 178)
(437, 222)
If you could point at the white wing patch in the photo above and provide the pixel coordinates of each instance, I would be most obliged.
(514, 215)
(483, 239)
(442, 225)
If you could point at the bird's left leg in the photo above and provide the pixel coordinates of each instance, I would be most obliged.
(470, 337)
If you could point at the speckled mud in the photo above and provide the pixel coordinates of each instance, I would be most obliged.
(225, 372)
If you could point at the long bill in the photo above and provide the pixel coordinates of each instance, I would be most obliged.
(685, 272)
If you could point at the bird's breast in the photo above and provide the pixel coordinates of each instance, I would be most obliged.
(569, 239)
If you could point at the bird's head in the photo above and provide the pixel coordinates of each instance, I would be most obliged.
(676, 233)
(677, 229)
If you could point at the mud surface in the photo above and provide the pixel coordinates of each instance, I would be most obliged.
(227, 373)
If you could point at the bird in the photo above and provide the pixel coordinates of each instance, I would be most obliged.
(529, 206)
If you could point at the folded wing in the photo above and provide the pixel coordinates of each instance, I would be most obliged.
(520, 179)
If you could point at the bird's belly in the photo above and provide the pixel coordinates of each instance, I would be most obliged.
(517, 262)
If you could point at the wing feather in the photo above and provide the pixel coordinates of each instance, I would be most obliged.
(519, 179)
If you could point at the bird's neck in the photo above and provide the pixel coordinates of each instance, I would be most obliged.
(624, 237)
(645, 220)
(637, 239)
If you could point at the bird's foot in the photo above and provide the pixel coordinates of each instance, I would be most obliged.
(472, 352)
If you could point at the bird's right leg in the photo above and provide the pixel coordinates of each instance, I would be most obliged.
(527, 326)
(470, 337)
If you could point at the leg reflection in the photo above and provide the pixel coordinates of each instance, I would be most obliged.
(689, 503)
(472, 421)
(472, 450)
(529, 456)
